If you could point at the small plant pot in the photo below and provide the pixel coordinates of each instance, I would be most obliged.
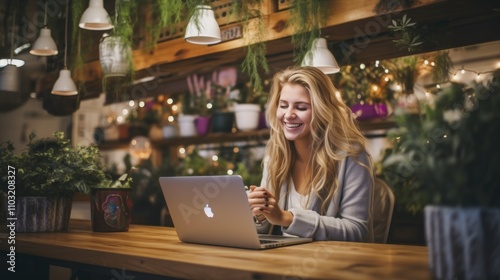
(110, 209)
(202, 125)
(186, 125)
(222, 122)
(247, 116)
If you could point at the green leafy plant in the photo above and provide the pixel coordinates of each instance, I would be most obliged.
(53, 167)
(124, 181)
(406, 30)
(448, 155)
(221, 97)
(247, 94)
(306, 19)
(367, 84)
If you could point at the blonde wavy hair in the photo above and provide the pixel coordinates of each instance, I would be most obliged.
(334, 134)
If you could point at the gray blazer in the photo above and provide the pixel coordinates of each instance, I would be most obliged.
(348, 215)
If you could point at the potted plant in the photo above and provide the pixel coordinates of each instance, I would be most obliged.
(366, 89)
(249, 104)
(195, 103)
(445, 162)
(45, 177)
(111, 205)
(222, 94)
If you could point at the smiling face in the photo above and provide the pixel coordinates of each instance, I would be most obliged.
(294, 112)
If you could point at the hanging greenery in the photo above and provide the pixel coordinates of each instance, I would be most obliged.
(407, 33)
(306, 19)
(255, 59)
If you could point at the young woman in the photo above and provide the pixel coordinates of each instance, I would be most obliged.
(318, 178)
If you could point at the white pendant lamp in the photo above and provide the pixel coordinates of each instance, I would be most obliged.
(44, 45)
(9, 75)
(202, 28)
(64, 84)
(320, 57)
(9, 79)
(95, 17)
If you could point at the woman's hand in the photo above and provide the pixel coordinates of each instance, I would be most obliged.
(263, 202)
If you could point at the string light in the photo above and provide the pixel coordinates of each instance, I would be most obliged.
(464, 70)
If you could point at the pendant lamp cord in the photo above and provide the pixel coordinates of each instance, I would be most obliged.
(12, 37)
(66, 37)
(45, 17)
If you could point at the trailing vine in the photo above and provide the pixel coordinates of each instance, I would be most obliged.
(255, 58)
(306, 20)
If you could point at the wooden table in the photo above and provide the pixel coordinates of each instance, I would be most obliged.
(155, 250)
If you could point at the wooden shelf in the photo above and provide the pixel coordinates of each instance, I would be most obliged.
(254, 135)
(377, 124)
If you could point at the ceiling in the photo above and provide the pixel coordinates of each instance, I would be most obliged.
(445, 24)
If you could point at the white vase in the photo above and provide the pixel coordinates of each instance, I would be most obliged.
(463, 243)
(186, 125)
(247, 116)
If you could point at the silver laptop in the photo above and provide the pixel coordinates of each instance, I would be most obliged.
(214, 210)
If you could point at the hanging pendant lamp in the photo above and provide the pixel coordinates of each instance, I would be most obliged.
(202, 28)
(44, 45)
(9, 79)
(95, 17)
(64, 84)
(9, 75)
(320, 57)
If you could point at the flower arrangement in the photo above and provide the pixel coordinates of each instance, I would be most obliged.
(195, 102)
(213, 93)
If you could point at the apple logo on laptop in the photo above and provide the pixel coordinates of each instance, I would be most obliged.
(208, 211)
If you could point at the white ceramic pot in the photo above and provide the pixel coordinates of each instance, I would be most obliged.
(247, 116)
(186, 125)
